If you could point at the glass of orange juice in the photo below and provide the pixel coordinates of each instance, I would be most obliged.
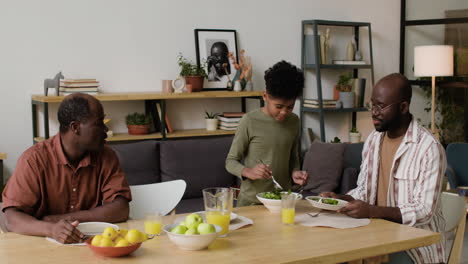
(218, 207)
(288, 208)
(153, 223)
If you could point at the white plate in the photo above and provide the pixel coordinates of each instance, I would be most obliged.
(333, 207)
(94, 228)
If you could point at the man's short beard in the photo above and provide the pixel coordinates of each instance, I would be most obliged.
(389, 124)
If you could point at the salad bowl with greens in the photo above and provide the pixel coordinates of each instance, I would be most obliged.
(272, 200)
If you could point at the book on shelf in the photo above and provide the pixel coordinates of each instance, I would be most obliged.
(227, 124)
(317, 106)
(158, 106)
(156, 124)
(233, 114)
(78, 80)
(63, 93)
(227, 128)
(229, 119)
(68, 85)
(78, 89)
(324, 101)
(349, 62)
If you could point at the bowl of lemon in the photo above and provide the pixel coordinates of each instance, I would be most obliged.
(116, 243)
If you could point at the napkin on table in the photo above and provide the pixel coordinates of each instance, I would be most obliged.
(239, 222)
(334, 220)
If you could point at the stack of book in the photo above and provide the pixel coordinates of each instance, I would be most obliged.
(314, 103)
(69, 86)
(230, 120)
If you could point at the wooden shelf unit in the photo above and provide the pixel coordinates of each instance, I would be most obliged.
(147, 97)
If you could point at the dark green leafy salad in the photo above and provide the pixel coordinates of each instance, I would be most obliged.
(275, 195)
(326, 200)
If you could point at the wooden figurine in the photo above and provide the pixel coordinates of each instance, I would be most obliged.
(53, 83)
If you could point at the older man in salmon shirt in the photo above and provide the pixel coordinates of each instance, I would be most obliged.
(70, 178)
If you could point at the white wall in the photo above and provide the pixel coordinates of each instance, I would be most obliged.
(132, 45)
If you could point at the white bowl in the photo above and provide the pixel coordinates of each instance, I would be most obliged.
(191, 242)
(333, 207)
(274, 206)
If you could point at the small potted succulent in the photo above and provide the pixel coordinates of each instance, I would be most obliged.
(138, 124)
(194, 75)
(346, 96)
(211, 121)
(354, 135)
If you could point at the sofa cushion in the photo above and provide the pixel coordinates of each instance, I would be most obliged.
(324, 163)
(200, 162)
(139, 161)
(353, 155)
(348, 180)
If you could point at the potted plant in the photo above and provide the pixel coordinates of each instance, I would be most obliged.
(193, 74)
(346, 96)
(138, 124)
(335, 140)
(211, 121)
(354, 135)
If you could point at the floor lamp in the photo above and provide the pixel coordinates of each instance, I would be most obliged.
(433, 61)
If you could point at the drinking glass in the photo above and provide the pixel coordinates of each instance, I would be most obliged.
(288, 208)
(153, 223)
(218, 207)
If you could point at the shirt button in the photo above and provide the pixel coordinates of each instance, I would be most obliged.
(74, 189)
(72, 206)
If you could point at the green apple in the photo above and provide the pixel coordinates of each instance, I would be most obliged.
(205, 228)
(182, 223)
(191, 231)
(193, 220)
(180, 229)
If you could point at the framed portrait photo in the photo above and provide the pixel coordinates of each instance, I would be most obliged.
(213, 47)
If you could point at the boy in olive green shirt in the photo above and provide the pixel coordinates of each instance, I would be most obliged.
(266, 139)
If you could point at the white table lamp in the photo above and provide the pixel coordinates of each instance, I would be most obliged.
(433, 60)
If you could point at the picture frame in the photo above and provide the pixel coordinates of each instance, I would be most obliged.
(212, 48)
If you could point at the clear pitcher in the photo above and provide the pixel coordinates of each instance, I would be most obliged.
(218, 207)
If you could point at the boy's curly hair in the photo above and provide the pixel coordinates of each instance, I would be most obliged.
(284, 80)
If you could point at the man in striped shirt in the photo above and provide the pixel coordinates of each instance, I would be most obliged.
(401, 171)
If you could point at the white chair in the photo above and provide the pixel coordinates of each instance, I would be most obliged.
(160, 197)
(3, 228)
(454, 212)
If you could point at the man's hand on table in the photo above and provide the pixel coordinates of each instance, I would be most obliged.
(357, 209)
(65, 232)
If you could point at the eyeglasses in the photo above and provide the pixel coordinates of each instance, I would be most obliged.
(375, 108)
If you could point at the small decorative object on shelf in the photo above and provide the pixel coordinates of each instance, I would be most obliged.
(211, 121)
(324, 46)
(358, 55)
(354, 135)
(53, 83)
(109, 132)
(193, 74)
(350, 50)
(178, 84)
(344, 87)
(359, 88)
(244, 70)
(138, 124)
(167, 86)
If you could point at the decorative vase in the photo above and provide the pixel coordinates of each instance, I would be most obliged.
(196, 82)
(350, 51)
(347, 99)
(358, 55)
(354, 137)
(237, 86)
(138, 129)
(211, 124)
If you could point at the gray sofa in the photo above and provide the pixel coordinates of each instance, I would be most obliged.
(198, 161)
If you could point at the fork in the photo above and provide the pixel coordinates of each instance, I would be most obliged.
(277, 185)
(314, 214)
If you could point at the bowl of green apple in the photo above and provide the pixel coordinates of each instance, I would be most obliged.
(192, 233)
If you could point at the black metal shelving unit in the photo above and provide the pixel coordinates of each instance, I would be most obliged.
(460, 81)
(318, 66)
